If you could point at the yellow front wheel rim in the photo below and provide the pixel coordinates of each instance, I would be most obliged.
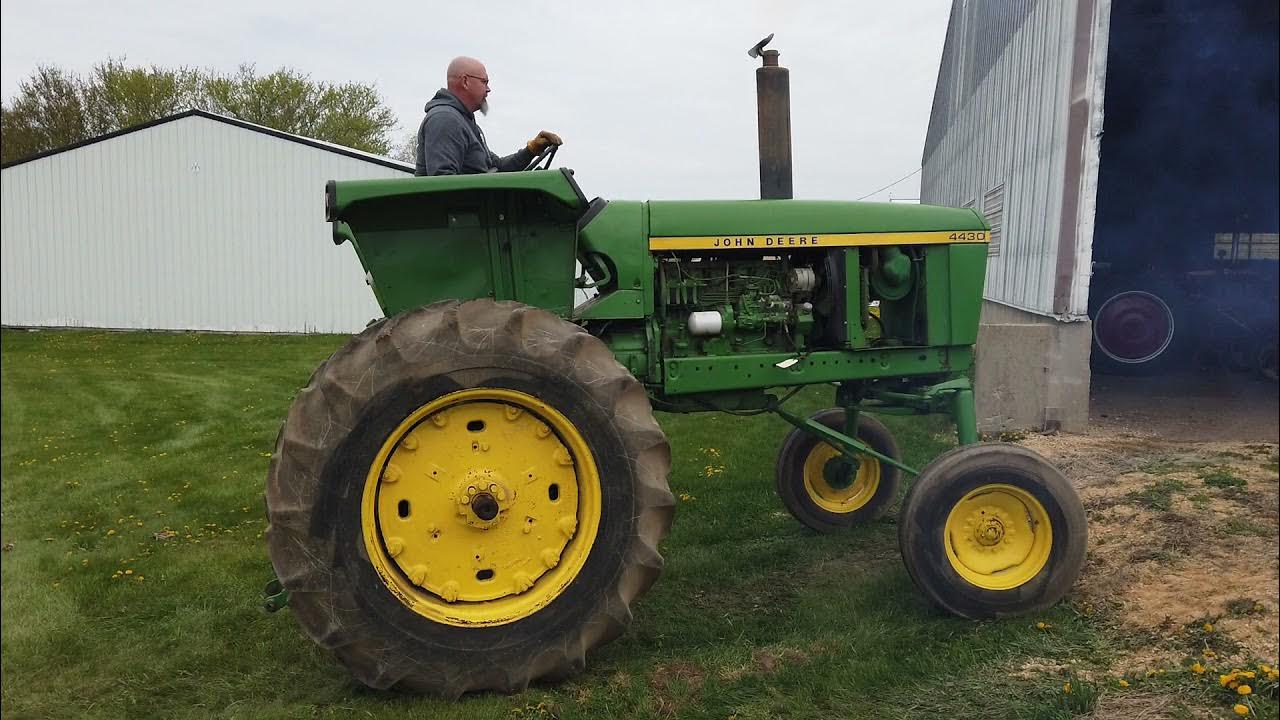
(839, 500)
(998, 537)
(481, 507)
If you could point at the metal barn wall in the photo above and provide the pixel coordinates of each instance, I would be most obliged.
(192, 224)
(1013, 133)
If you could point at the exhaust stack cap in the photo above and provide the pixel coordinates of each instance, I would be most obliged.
(756, 49)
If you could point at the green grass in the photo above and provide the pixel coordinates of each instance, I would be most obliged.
(113, 439)
(1158, 495)
(1170, 465)
(1223, 479)
(1241, 526)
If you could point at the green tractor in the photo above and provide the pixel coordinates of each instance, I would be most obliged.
(470, 494)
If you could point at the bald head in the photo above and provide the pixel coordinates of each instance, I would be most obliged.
(468, 79)
(460, 66)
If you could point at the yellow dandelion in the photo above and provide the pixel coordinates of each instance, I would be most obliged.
(1248, 674)
(1043, 626)
(1208, 627)
(1224, 679)
(1241, 709)
(1124, 683)
(1197, 669)
(112, 531)
(1066, 688)
(1244, 690)
(128, 572)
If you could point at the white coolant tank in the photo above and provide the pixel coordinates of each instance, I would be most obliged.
(705, 323)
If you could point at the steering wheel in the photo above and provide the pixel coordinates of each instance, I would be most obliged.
(543, 158)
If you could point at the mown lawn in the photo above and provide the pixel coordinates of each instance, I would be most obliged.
(113, 441)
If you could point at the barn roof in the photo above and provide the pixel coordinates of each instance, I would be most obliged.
(319, 144)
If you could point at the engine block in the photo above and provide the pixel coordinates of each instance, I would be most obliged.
(716, 306)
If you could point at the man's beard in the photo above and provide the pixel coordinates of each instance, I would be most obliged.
(484, 106)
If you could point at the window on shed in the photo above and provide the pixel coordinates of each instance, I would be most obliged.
(993, 209)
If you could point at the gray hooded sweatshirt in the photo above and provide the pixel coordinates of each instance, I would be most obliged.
(451, 143)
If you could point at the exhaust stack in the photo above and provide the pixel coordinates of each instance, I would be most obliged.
(773, 102)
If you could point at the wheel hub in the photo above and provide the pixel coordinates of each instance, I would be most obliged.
(840, 472)
(990, 528)
(484, 506)
(483, 498)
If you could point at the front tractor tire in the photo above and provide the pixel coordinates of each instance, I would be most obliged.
(992, 530)
(826, 492)
(468, 496)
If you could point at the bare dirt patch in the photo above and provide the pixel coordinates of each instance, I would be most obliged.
(1038, 667)
(674, 685)
(769, 661)
(1180, 534)
(1145, 706)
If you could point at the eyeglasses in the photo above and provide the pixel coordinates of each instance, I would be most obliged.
(484, 80)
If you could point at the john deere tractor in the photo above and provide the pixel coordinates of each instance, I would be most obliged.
(470, 494)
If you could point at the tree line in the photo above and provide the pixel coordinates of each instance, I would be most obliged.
(54, 108)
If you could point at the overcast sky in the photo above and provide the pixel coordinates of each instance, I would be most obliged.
(654, 99)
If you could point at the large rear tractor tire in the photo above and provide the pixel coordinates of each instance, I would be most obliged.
(468, 496)
(826, 492)
(992, 530)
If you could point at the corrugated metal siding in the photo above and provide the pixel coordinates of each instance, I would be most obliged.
(1007, 128)
(193, 224)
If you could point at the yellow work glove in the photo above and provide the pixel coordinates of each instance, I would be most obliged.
(540, 143)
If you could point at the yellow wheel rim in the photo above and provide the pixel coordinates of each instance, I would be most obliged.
(839, 499)
(998, 537)
(481, 507)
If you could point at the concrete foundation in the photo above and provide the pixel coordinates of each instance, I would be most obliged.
(1032, 371)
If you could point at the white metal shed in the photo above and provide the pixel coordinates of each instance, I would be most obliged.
(1014, 132)
(193, 222)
